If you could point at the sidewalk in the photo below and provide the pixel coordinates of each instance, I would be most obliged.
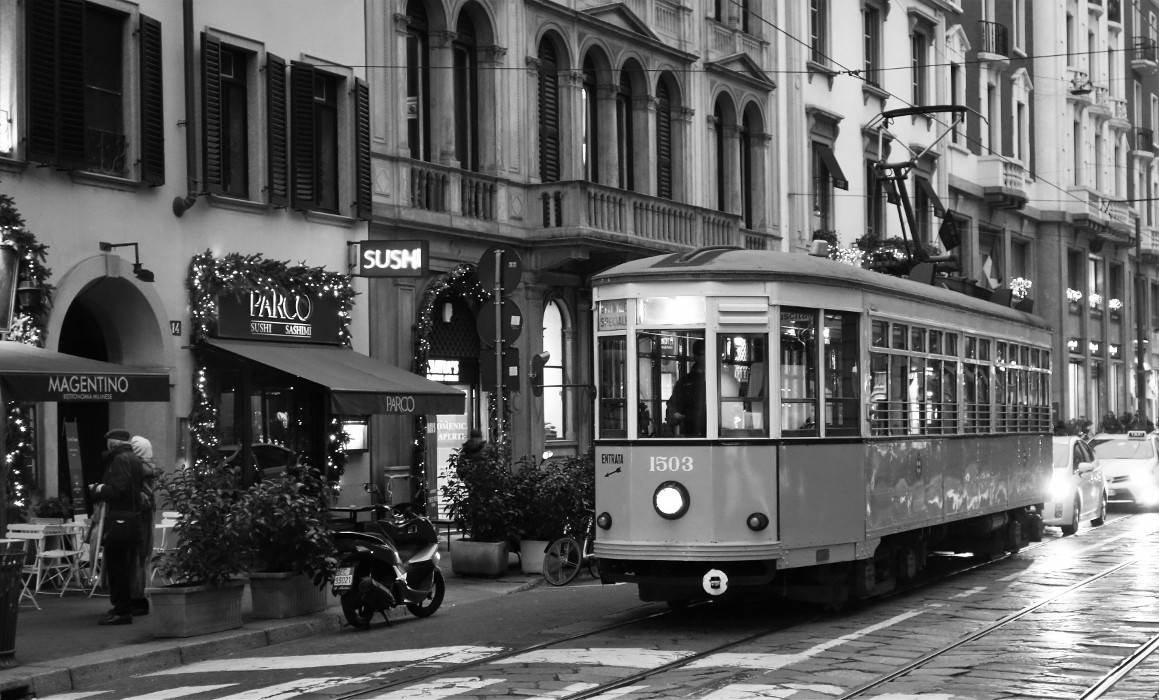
(61, 647)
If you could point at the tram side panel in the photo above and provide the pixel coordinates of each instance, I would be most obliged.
(725, 485)
(822, 504)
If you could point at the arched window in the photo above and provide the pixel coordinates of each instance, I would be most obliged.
(746, 171)
(591, 132)
(624, 128)
(418, 120)
(554, 406)
(466, 86)
(663, 142)
(548, 113)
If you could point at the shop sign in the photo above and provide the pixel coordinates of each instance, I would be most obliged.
(271, 315)
(392, 258)
(83, 386)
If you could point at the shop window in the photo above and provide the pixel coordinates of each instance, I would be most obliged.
(88, 65)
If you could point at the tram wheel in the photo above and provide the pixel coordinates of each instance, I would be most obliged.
(907, 564)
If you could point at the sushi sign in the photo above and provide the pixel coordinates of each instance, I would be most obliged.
(392, 258)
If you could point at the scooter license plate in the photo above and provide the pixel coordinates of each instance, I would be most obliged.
(344, 578)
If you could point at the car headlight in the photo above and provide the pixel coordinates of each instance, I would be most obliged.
(670, 500)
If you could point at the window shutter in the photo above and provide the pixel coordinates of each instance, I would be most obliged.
(362, 187)
(152, 104)
(663, 144)
(211, 113)
(548, 117)
(41, 37)
(70, 86)
(302, 169)
(278, 190)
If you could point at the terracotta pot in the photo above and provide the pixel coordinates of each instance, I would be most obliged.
(187, 611)
(469, 558)
(281, 595)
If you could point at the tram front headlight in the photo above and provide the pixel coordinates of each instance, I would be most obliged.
(604, 520)
(670, 500)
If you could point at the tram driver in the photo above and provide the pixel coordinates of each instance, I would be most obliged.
(686, 408)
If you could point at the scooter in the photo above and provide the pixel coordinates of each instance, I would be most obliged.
(395, 561)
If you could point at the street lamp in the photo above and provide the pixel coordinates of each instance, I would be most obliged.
(141, 273)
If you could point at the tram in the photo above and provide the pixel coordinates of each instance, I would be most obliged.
(794, 425)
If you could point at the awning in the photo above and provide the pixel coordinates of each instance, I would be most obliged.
(932, 197)
(30, 374)
(359, 385)
(831, 164)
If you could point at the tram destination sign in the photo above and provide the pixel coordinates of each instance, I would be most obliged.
(273, 316)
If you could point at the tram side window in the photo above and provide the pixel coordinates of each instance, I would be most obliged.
(798, 372)
(842, 400)
(743, 377)
(613, 418)
(682, 380)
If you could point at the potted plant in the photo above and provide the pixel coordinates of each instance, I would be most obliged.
(551, 499)
(479, 499)
(212, 553)
(284, 520)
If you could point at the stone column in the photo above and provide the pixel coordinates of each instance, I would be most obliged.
(609, 146)
(644, 143)
(442, 98)
(490, 60)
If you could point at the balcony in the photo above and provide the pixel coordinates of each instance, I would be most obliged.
(560, 212)
(1144, 56)
(995, 45)
(1149, 245)
(1004, 182)
(1099, 215)
(581, 210)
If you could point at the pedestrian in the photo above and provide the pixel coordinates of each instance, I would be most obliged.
(120, 492)
(686, 409)
(149, 473)
(476, 447)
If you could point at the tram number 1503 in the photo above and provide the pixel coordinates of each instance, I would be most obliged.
(670, 464)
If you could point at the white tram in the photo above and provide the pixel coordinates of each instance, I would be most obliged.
(852, 422)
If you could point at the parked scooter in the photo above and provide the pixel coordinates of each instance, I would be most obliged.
(394, 562)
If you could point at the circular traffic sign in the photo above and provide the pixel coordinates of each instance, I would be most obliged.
(509, 264)
(511, 322)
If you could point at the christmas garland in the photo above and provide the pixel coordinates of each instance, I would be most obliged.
(462, 282)
(28, 328)
(237, 274)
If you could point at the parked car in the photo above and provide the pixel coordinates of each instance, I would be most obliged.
(1131, 466)
(1078, 490)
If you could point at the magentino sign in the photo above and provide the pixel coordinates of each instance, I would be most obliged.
(273, 316)
(51, 386)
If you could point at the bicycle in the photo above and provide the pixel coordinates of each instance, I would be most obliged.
(565, 556)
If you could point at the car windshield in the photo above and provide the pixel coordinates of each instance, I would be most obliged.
(1122, 448)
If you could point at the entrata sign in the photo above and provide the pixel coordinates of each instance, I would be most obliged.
(270, 315)
(392, 258)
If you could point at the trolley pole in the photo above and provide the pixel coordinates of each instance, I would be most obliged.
(1140, 321)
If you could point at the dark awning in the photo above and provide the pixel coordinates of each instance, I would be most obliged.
(34, 374)
(932, 196)
(359, 385)
(832, 166)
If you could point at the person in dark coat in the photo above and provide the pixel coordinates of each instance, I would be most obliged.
(686, 408)
(476, 447)
(120, 491)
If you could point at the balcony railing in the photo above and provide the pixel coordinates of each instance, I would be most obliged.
(441, 189)
(613, 213)
(1145, 50)
(995, 38)
(104, 152)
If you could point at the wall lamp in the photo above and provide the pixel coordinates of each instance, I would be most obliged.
(180, 204)
(141, 273)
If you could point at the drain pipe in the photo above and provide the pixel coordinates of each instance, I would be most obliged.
(180, 204)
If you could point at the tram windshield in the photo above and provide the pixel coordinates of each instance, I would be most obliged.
(670, 384)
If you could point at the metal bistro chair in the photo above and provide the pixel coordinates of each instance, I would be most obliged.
(163, 540)
(54, 564)
(27, 568)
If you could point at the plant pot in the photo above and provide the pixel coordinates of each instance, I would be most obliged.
(187, 611)
(281, 595)
(531, 555)
(470, 558)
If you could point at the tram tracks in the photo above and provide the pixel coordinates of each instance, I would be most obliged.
(408, 676)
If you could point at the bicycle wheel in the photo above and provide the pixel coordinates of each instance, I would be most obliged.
(561, 564)
(593, 566)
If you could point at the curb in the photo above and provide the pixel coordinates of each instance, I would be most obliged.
(70, 673)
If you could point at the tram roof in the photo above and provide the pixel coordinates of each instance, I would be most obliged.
(719, 263)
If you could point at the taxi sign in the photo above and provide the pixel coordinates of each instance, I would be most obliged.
(1136, 434)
